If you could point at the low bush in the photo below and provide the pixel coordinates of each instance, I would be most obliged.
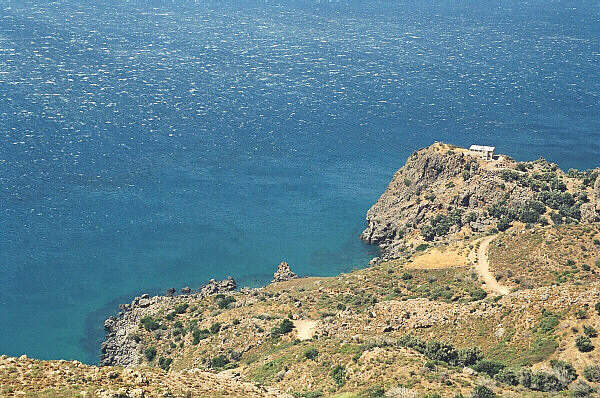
(581, 389)
(478, 294)
(215, 328)
(224, 302)
(150, 353)
(491, 368)
(590, 331)
(219, 361)
(564, 371)
(181, 308)
(198, 335)
(311, 353)
(507, 376)
(338, 374)
(542, 381)
(149, 323)
(584, 344)
(592, 373)
(164, 363)
(286, 326)
(482, 392)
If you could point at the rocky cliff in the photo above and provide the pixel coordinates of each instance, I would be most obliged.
(444, 190)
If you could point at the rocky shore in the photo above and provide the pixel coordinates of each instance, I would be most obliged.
(121, 347)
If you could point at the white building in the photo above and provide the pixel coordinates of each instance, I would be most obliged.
(486, 152)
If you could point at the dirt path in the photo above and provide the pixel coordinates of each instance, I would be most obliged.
(483, 268)
(305, 328)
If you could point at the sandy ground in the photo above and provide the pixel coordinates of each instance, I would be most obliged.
(436, 259)
(305, 328)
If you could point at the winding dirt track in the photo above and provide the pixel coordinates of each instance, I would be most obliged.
(483, 268)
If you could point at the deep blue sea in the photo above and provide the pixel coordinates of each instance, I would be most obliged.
(151, 144)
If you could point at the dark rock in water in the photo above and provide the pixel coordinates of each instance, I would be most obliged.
(186, 290)
(283, 273)
(171, 291)
(216, 287)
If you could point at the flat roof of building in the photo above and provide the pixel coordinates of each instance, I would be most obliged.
(482, 148)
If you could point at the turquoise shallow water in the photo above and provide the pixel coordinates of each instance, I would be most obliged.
(155, 144)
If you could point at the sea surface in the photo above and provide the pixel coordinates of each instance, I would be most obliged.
(150, 144)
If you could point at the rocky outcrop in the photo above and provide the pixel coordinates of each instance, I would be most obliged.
(433, 181)
(216, 287)
(443, 180)
(120, 346)
(283, 273)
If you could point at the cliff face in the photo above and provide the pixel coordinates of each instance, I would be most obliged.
(459, 188)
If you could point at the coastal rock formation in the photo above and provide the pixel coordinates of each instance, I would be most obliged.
(444, 184)
(216, 287)
(283, 273)
(121, 346)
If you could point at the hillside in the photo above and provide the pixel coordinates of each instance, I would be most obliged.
(502, 298)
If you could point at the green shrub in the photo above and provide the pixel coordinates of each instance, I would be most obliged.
(149, 323)
(548, 322)
(592, 373)
(441, 352)
(584, 344)
(286, 326)
(590, 331)
(581, 314)
(542, 381)
(503, 224)
(422, 247)
(338, 374)
(164, 363)
(482, 392)
(564, 371)
(181, 308)
(581, 389)
(525, 377)
(469, 356)
(312, 394)
(150, 353)
(215, 328)
(507, 376)
(224, 302)
(478, 294)
(311, 353)
(198, 335)
(219, 361)
(597, 307)
(406, 276)
(489, 367)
